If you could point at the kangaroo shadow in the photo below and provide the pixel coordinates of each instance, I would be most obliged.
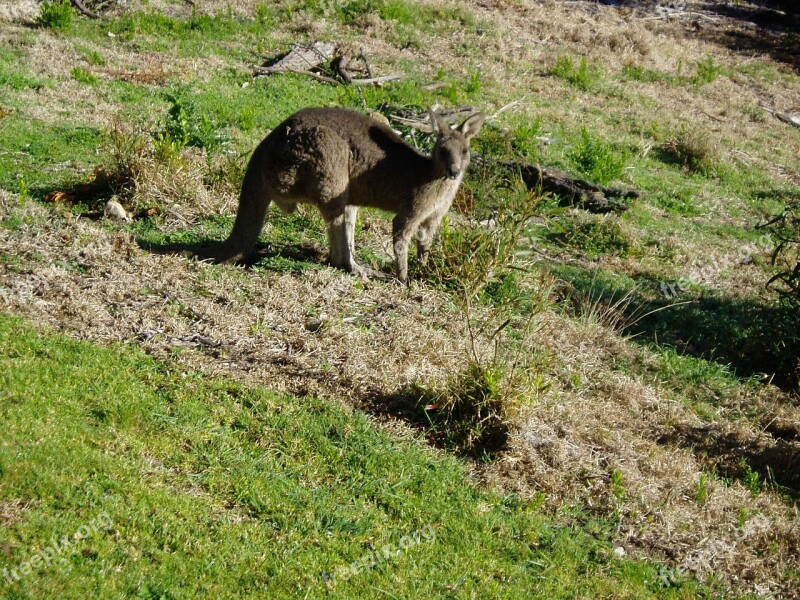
(280, 257)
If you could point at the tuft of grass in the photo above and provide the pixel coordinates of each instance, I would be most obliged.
(597, 159)
(471, 414)
(81, 75)
(93, 57)
(583, 76)
(634, 72)
(692, 149)
(55, 14)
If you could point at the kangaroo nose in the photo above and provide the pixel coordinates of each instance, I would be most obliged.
(454, 173)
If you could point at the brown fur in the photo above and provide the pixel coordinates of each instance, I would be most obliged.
(338, 160)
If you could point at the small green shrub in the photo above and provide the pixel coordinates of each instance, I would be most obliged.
(583, 77)
(470, 257)
(701, 490)
(81, 75)
(188, 126)
(55, 15)
(596, 159)
(707, 71)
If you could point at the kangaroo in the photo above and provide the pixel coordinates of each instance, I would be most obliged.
(338, 160)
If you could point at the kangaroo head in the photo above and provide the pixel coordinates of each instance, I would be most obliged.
(451, 151)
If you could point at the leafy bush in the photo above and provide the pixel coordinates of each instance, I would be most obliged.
(596, 159)
(55, 15)
(187, 126)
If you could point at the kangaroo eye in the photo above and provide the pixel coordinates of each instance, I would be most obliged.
(464, 152)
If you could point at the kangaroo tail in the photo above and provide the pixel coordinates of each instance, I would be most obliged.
(253, 203)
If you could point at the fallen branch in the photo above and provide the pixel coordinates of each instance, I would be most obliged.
(82, 8)
(570, 190)
(377, 80)
(783, 116)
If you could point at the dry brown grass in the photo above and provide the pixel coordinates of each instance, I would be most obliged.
(596, 420)
(374, 339)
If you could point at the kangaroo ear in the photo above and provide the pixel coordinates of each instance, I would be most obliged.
(438, 124)
(472, 126)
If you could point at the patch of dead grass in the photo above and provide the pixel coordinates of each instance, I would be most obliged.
(596, 420)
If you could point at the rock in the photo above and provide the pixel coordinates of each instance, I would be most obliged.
(114, 210)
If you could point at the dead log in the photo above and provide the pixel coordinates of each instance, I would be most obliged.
(571, 191)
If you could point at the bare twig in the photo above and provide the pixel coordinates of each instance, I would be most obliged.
(363, 57)
(377, 80)
(503, 109)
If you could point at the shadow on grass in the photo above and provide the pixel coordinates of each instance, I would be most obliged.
(750, 27)
(278, 257)
(754, 462)
(466, 433)
(754, 336)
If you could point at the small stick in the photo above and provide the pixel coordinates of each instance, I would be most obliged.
(363, 57)
(377, 80)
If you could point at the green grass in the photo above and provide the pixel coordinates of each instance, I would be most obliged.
(583, 76)
(44, 155)
(183, 485)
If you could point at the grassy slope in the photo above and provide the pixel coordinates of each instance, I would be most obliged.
(205, 487)
(690, 221)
